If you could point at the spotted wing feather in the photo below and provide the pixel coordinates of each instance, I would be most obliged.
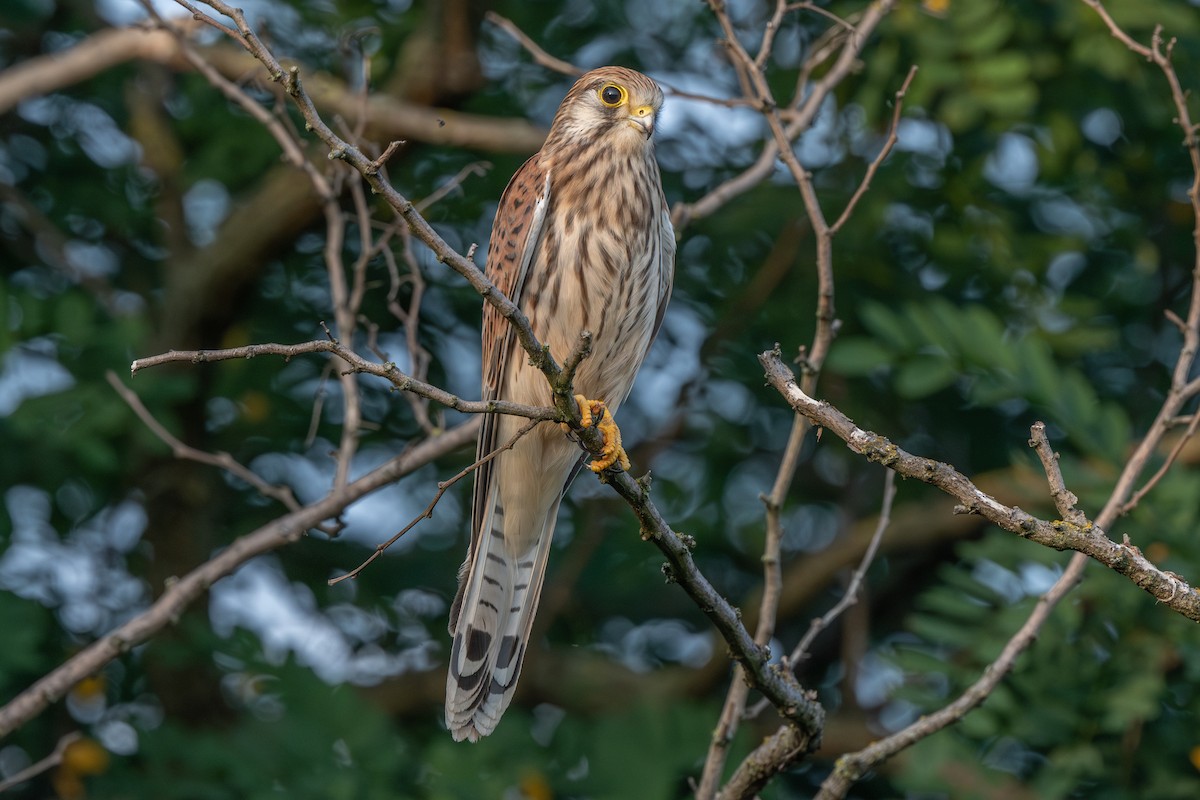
(498, 586)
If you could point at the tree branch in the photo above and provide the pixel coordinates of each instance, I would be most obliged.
(795, 704)
(180, 450)
(181, 593)
(428, 512)
(850, 768)
(807, 104)
(540, 56)
(388, 371)
(389, 117)
(1088, 538)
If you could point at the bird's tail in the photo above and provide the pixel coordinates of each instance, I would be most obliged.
(491, 620)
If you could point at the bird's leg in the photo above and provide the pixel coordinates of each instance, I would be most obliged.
(612, 452)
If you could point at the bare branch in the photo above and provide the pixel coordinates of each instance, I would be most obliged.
(797, 706)
(852, 766)
(287, 142)
(823, 12)
(735, 698)
(807, 105)
(582, 350)
(221, 460)
(769, 32)
(477, 168)
(345, 320)
(1166, 465)
(48, 763)
(181, 593)
(883, 153)
(388, 371)
(1088, 539)
(850, 596)
(392, 117)
(539, 55)
(764, 763)
(1064, 499)
(43, 75)
(441, 490)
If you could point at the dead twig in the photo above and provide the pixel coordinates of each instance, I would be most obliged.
(220, 460)
(539, 55)
(43, 765)
(388, 371)
(179, 594)
(441, 490)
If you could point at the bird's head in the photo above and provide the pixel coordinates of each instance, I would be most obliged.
(610, 102)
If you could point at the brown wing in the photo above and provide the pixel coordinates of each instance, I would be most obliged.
(666, 269)
(515, 237)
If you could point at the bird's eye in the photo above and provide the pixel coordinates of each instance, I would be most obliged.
(612, 95)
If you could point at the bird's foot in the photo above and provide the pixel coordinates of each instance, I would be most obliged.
(594, 413)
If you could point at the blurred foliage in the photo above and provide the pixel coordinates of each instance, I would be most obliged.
(1013, 261)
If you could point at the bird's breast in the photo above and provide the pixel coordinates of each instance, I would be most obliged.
(597, 269)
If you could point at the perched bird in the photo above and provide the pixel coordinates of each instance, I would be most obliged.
(582, 241)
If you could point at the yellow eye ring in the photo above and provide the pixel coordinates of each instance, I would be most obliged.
(612, 95)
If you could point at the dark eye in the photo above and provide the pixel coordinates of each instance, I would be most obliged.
(612, 95)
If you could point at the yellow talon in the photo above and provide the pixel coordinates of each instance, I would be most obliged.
(612, 452)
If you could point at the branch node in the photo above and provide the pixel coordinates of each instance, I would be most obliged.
(376, 165)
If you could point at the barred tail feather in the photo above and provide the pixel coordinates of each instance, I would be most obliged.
(497, 602)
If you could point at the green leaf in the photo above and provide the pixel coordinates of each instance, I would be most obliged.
(857, 356)
(1002, 71)
(886, 325)
(924, 375)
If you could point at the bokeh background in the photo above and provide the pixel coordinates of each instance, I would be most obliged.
(1013, 261)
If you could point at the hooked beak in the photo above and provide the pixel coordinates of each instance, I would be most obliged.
(642, 119)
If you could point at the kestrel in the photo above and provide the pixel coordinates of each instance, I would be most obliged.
(582, 241)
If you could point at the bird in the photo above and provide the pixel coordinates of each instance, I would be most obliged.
(582, 241)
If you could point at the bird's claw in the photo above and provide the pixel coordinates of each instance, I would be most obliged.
(594, 413)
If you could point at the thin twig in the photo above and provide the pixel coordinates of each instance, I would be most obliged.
(476, 168)
(287, 142)
(221, 460)
(739, 689)
(539, 55)
(582, 350)
(884, 151)
(851, 767)
(1166, 465)
(181, 593)
(441, 490)
(48, 763)
(344, 315)
(824, 12)
(1088, 539)
(1064, 498)
(850, 596)
(388, 371)
(769, 31)
(807, 101)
